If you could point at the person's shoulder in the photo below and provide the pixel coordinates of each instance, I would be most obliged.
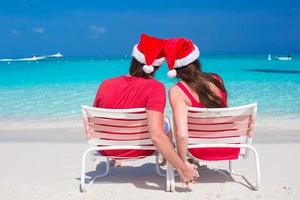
(112, 80)
(115, 78)
(174, 89)
(153, 83)
(175, 94)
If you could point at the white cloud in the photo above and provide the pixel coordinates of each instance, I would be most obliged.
(38, 30)
(96, 31)
(14, 32)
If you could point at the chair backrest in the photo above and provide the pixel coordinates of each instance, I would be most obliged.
(221, 125)
(116, 127)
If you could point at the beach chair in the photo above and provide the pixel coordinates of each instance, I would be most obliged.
(223, 129)
(117, 129)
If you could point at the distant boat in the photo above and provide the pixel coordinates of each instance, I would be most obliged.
(32, 58)
(284, 58)
(6, 60)
(57, 55)
(269, 57)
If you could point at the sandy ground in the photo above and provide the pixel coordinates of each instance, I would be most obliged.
(44, 163)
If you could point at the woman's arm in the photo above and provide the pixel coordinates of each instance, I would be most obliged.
(179, 108)
(164, 146)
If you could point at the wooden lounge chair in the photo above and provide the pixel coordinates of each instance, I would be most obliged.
(216, 131)
(117, 129)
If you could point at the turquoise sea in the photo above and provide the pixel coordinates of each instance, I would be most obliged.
(59, 87)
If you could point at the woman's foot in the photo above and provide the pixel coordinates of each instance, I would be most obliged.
(194, 161)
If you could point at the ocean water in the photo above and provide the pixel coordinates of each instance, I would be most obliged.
(59, 87)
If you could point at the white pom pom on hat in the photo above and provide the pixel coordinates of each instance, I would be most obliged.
(148, 69)
(172, 73)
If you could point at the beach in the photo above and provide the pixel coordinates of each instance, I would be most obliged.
(55, 55)
(42, 137)
(45, 164)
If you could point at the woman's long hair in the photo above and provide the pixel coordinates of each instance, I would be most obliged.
(136, 69)
(199, 81)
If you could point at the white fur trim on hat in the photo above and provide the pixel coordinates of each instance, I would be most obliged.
(148, 68)
(172, 73)
(158, 62)
(188, 59)
(141, 57)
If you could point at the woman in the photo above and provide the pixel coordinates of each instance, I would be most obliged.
(194, 89)
(140, 89)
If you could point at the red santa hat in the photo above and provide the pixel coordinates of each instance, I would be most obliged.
(149, 51)
(179, 52)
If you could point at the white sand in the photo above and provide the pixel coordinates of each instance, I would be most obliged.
(44, 163)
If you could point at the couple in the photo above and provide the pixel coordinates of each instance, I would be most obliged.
(139, 89)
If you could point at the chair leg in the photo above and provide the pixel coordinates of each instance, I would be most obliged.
(85, 185)
(257, 168)
(172, 177)
(168, 181)
(157, 167)
(167, 174)
(230, 166)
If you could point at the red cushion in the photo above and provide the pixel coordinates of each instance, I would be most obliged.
(126, 153)
(215, 153)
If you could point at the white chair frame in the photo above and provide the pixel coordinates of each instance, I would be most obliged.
(111, 145)
(250, 110)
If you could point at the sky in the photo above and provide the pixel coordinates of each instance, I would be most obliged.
(112, 27)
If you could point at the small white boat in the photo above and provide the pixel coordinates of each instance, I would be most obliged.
(6, 60)
(284, 58)
(57, 55)
(32, 58)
